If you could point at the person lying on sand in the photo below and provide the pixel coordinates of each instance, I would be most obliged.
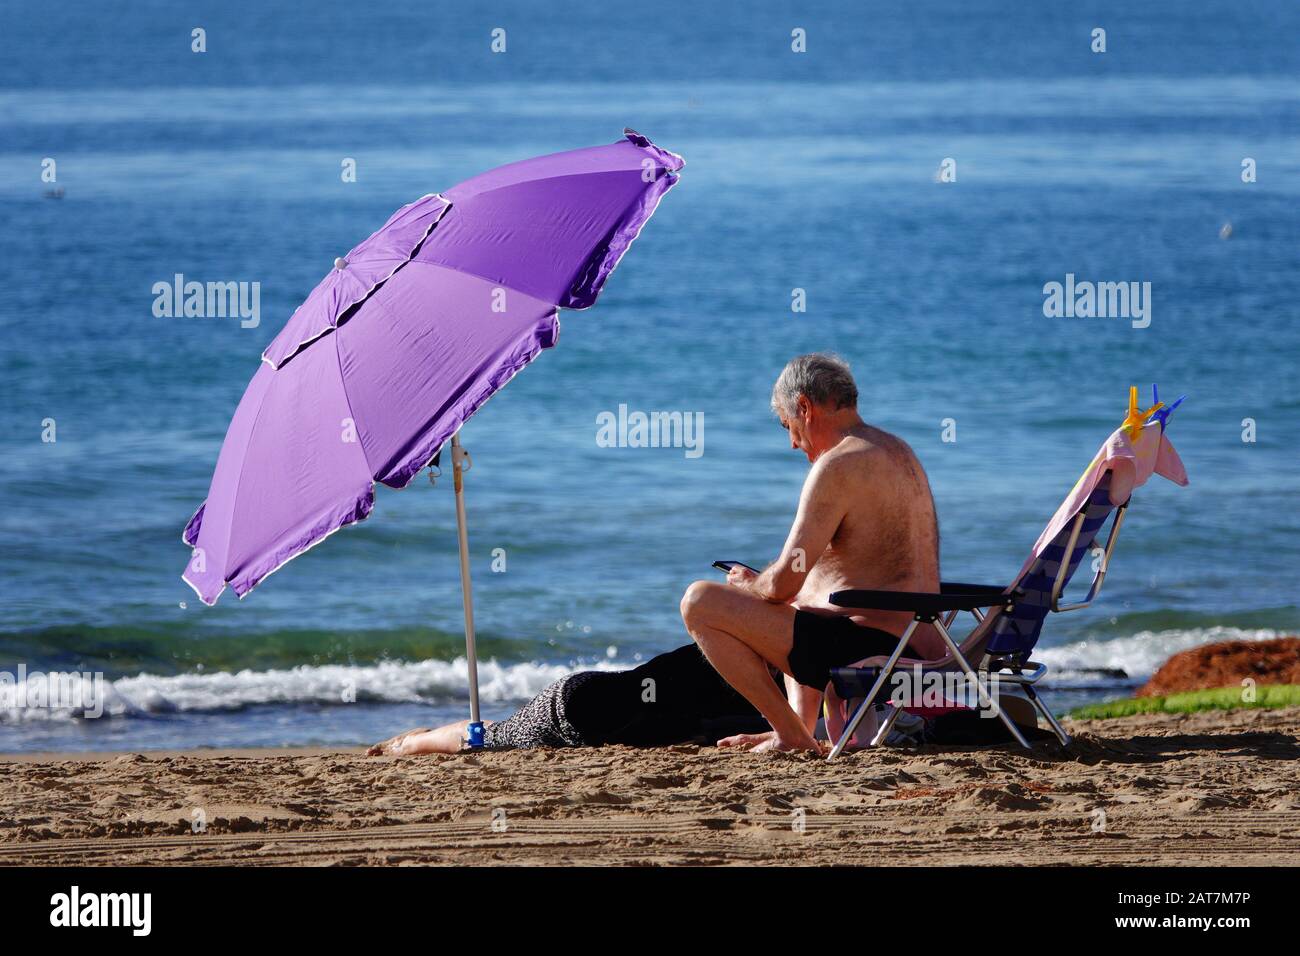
(866, 519)
(670, 699)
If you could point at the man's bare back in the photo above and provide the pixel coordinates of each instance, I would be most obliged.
(888, 535)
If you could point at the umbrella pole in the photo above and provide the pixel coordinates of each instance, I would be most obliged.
(460, 463)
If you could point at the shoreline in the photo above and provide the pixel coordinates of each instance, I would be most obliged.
(239, 753)
(1209, 788)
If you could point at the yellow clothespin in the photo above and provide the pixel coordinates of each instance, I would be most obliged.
(1136, 419)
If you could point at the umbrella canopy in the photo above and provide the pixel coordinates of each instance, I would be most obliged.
(412, 331)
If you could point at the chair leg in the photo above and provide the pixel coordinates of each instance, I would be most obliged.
(849, 728)
(886, 727)
(1057, 729)
(875, 689)
(985, 699)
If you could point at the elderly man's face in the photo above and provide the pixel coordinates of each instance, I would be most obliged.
(796, 424)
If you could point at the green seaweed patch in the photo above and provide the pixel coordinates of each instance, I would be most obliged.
(1218, 698)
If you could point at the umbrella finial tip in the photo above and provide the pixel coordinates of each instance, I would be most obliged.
(340, 263)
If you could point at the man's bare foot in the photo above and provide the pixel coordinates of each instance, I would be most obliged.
(767, 743)
(775, 743)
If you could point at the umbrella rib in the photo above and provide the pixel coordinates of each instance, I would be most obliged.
(234, 499)
(239, 482)
(514, 369)
(544, 179)
(352, 416)
(488, 279)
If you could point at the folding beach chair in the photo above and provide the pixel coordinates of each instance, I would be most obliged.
(997, 651)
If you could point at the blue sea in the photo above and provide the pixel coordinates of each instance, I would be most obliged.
(819, 171)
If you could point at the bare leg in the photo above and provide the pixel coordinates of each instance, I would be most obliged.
(448, 739)
(711, 612)
(746, 671)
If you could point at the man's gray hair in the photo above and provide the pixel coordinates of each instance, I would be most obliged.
(821, 377)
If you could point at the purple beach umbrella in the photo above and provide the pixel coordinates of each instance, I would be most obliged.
(401, 343)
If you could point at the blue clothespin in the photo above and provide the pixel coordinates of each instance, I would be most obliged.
(1162, 414)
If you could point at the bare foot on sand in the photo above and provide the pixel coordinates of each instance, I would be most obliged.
(776, 743)
(448, 739)
(767, 743)
(393, 745)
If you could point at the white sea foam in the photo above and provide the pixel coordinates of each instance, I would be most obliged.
(393, 682)
(1137, 655)
(435, 682)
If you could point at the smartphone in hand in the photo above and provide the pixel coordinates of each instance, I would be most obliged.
(726, 566)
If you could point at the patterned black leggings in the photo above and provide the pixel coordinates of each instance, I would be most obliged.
(543, 721)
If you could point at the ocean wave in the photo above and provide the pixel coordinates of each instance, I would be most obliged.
(1131, 659)
(1113, 663)
(125, 650)
(144, 695)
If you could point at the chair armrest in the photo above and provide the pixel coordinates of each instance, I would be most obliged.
(953, 587)
(1116, 521)
(951, 597)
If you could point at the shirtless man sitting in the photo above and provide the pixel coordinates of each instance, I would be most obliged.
(866, 519)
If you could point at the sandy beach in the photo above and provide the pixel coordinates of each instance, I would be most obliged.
(1211, 788)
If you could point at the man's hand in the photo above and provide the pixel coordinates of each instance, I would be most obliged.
(740, 576)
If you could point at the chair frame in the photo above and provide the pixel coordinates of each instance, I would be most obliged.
(941, 610)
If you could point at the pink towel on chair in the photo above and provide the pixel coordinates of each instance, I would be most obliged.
(1132, 462)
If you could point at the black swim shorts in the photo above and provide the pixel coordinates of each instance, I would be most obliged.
(823, 641)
